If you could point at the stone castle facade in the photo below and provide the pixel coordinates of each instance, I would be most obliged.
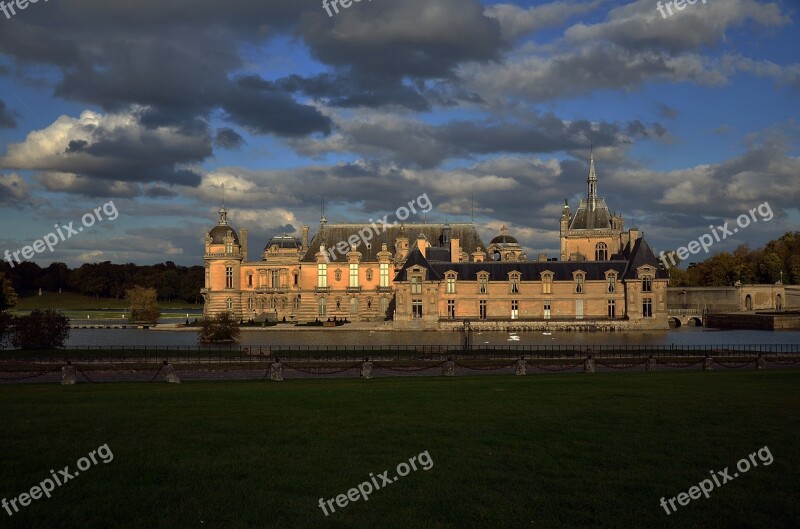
(434, 276)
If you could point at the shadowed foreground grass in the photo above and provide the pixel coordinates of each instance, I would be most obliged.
(546, 451)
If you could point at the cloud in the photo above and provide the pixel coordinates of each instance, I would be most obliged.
(228, 138)
(7, 117)
(95, 149)
(14, 191)
(516, 22)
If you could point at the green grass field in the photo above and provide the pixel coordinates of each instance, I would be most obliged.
(77, 302)
(550, 451)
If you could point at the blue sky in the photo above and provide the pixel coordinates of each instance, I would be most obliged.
(693, 118)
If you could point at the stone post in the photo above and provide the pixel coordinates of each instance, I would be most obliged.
(276, 371)
(588, 365)
(68, 377)
(366, 369)
(651, 364)
(449, 368)
(708, 364)
(170, 376)
(522, 367)
(761, 363)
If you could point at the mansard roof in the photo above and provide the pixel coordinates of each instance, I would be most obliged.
(625, 265)
(332, 234)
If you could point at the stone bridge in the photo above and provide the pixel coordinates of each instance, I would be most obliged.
(691, 317)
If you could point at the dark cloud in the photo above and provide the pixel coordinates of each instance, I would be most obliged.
(228, 139)
(7, 117)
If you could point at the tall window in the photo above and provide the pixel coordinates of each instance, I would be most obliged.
(547, 310)
(297, 302)
(249, 303)
(384, 275)
(612, 309)
(353, 306)
(515, 310)
(451, 284)
(322, 305)
(547, 283)
(276, 278)
(353, 275)
(416, 285)
(249, 280)
(322, 275)
(229, 304)
(647, 307)
(482, 309)
(647, 284)
(416, 308)
(229, 247)
(612, 284)
(483, 284)
(296, 278)
(579, 284)
(228, 277)
(601, 252)
(515, 284)
(451, 309)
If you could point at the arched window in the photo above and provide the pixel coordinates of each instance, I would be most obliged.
(384, 306)
(322, 306)
(601, 252)
(353, 306)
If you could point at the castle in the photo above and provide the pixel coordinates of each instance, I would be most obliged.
(436, 276)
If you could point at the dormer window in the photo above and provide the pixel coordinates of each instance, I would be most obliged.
(547, 282)
(416, 284)
(450, 283)
(483, 283)
(228, 246)
(611, 283)
(580, 279)
(514, 279)
(647, 284)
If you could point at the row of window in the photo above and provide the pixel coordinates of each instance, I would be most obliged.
(514, 281)
(416, 309)
(322, 275)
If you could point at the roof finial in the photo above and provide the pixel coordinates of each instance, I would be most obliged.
(223, 213)
(322, 220)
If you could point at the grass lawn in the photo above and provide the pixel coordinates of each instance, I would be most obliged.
(549, 451)
(77, 302)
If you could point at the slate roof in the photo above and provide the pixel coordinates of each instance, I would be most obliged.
(331, 234)
(219, 232)
(625, 267)
(584, 219)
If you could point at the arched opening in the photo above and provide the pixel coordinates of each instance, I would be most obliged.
(778, 302)
(674, 323)
(748, 302)
(601, 252)
(695, 322)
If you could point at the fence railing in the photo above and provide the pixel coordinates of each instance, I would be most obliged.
(259, 354)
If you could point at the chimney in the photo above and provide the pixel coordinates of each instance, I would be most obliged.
(243, 240)
(305, 237)
(422, 244)
(455, 249)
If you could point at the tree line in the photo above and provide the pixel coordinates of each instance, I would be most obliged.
(107, 280)
(778, 260)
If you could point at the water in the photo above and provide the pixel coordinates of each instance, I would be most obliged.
(681, 336)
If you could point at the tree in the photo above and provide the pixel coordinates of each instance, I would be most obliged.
(8, 298)
(144, 304)
(222, 328)
(41, 329)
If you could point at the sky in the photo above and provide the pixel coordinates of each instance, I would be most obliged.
(491, 109)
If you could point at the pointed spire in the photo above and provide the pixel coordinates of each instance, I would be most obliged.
(223, 213)
(322, 220)
(592, 180)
